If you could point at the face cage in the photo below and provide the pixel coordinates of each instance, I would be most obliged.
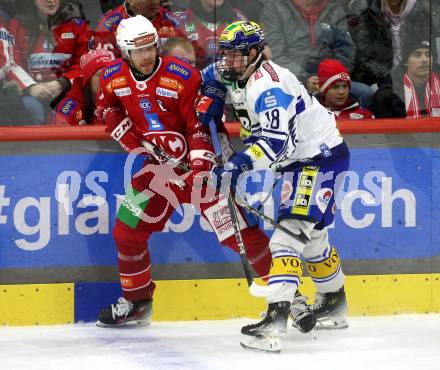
(228, 72)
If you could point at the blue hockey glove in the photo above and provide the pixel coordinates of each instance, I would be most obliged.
(211, 102)
(238, 164)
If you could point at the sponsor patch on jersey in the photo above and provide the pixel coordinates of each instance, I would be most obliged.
(119, 82)
(322, 198)
(67, 35)
(325, 150)
(179, 70)
(170, 83)
(145, 105)
(160, 91)
(78, 21)
(273, 75)
(306, 181)
(154, 123)
(256, 152)
(111, 70)
(172, 142)
(123, 92)
(113, 21)
(109, 87)
(68, 107)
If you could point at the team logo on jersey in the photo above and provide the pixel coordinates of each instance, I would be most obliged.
(154, 123)
(160, 91)
(273, 98)
(323, 197)
(141, 85)
(172, 142)
(179, 70)
(113, 20)
(119, 82)
(68, 106)
(111, 70)
(123, 92)
(145, 105)
(170, 83)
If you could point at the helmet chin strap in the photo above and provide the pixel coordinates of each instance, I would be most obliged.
(250, 68)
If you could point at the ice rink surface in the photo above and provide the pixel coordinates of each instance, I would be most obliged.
(406, 342)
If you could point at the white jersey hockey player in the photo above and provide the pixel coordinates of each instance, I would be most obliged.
(288, 131)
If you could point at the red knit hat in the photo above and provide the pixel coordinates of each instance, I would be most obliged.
(92, 61)
(331, 71)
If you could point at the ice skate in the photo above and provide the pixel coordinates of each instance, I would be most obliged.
(303, 318)
(126, 313)
(267, 335)
(331, 310)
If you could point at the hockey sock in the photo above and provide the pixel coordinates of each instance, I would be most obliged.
(285, 271)
(134, 262)
(325, 270)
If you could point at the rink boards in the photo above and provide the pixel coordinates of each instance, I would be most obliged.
(385, 231)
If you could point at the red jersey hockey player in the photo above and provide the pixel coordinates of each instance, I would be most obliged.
(151, 98)
(165, 22)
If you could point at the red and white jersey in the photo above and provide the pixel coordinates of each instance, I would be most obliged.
(12, 37)
(159, 109)
(58, 54)
(165, 22)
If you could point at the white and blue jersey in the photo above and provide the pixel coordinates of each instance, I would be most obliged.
(287, 130)
(281, 123)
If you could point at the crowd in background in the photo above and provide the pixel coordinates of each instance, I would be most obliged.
(360, 58)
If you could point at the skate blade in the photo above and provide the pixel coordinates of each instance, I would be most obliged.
(267, 344)
(124, 325)
(331, 323)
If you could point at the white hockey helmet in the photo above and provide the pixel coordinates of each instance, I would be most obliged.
(135, 33)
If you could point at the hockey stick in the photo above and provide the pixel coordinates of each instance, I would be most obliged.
(231, 206)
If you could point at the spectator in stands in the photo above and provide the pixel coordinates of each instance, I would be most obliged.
(417, 84)
(381, 39)
(301, 33)
(56, 39)
(335, 83)
(78, 107)
(180, 48)
(166, 23)
(204, 20)
(18, 90)
(252, 8)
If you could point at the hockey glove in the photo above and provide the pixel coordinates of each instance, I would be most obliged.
(200, 167)
(229, 174)
(211, 102)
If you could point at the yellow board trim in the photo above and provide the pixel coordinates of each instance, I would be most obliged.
(37, 304)
(218, 299)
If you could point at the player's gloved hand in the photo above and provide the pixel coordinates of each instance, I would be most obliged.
(200, 171)
(211, 102)
(229, 174)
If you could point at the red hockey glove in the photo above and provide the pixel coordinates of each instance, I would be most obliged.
(201, 164)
